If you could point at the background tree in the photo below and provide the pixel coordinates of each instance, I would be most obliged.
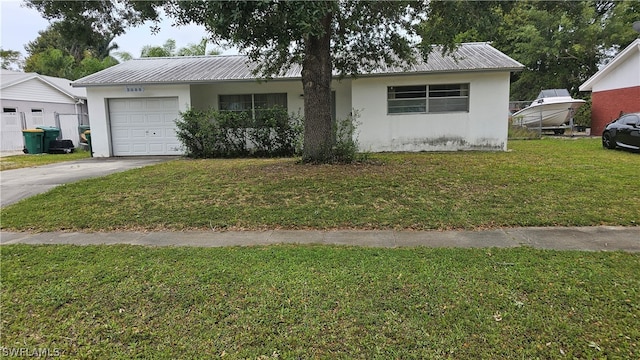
(561, 43)
(198, 49)
(166, 50)
(110, 18)
(11, 59)
(84, 31)
(51, 62)
(54, 53)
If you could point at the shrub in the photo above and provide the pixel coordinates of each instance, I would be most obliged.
(211, 133)
(345, 149)
(276, 133)
(582, 117)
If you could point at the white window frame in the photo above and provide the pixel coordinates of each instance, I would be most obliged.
(425, 99)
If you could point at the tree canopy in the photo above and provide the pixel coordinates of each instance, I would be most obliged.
(11, 59)
(79, 40)
(56, 53)
(561, 43)
(168, 49)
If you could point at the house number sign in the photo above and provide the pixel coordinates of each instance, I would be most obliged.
(133, 89)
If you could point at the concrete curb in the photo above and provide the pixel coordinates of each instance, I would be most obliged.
(600, 238)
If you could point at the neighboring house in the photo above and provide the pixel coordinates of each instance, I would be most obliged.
(29, 100)
(615, 88)
(448, 103)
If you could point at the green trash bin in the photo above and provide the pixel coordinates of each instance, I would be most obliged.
(87, 135)
(33, 141)
(50, 133)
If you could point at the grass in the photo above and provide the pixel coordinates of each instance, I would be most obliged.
(292, 302)
(545, 182)
(22, 161)
(319, 302)
(522, 133)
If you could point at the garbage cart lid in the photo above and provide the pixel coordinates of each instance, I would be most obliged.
(48, 128)
(32, 130)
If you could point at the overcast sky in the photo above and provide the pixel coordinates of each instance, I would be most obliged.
(21, 25)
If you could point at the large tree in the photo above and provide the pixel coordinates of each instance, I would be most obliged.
(110, 18)
(326, 38)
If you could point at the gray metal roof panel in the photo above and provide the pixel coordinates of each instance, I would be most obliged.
(201, 69)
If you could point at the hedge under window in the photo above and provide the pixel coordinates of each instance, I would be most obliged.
(427, 98)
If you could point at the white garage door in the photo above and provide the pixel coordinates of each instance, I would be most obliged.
(144, 126)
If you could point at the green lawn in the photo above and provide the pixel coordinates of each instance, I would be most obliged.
(330, 302)
(29, 160)
(537, 183)
(320, 302)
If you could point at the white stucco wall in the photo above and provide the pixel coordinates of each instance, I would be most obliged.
(484, 127)
(97, 98)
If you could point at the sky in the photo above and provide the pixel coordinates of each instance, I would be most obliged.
(20, 25)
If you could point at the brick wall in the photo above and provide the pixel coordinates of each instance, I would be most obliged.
(607, 105)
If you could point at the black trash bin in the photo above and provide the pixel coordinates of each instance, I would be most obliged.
(50, 134)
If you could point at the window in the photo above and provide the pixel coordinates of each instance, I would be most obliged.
(9, 110)
(446, 98)
(236, 103)
(252, 103)
(37, 116)
(267, 101)
(407, 99)
(427, 98)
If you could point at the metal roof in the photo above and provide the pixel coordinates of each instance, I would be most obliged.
(207, 69)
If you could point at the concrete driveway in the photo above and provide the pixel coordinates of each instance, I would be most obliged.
(18, 184)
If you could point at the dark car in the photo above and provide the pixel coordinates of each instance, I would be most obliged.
(623, 132)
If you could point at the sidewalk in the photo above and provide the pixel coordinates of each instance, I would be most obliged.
(600, 238)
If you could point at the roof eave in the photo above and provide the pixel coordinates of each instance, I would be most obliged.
(298, 78)
(621, 57)
(444, 71)
(185, 82)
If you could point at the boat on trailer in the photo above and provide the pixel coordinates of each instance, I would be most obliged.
(553, 109)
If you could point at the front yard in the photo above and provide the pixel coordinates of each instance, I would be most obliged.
(537, 183)
(319, 302)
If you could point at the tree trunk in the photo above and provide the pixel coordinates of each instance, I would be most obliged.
(316, 81)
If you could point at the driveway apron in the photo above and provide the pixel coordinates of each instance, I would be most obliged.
(19, 184)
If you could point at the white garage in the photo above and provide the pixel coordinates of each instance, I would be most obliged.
(144, 126)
